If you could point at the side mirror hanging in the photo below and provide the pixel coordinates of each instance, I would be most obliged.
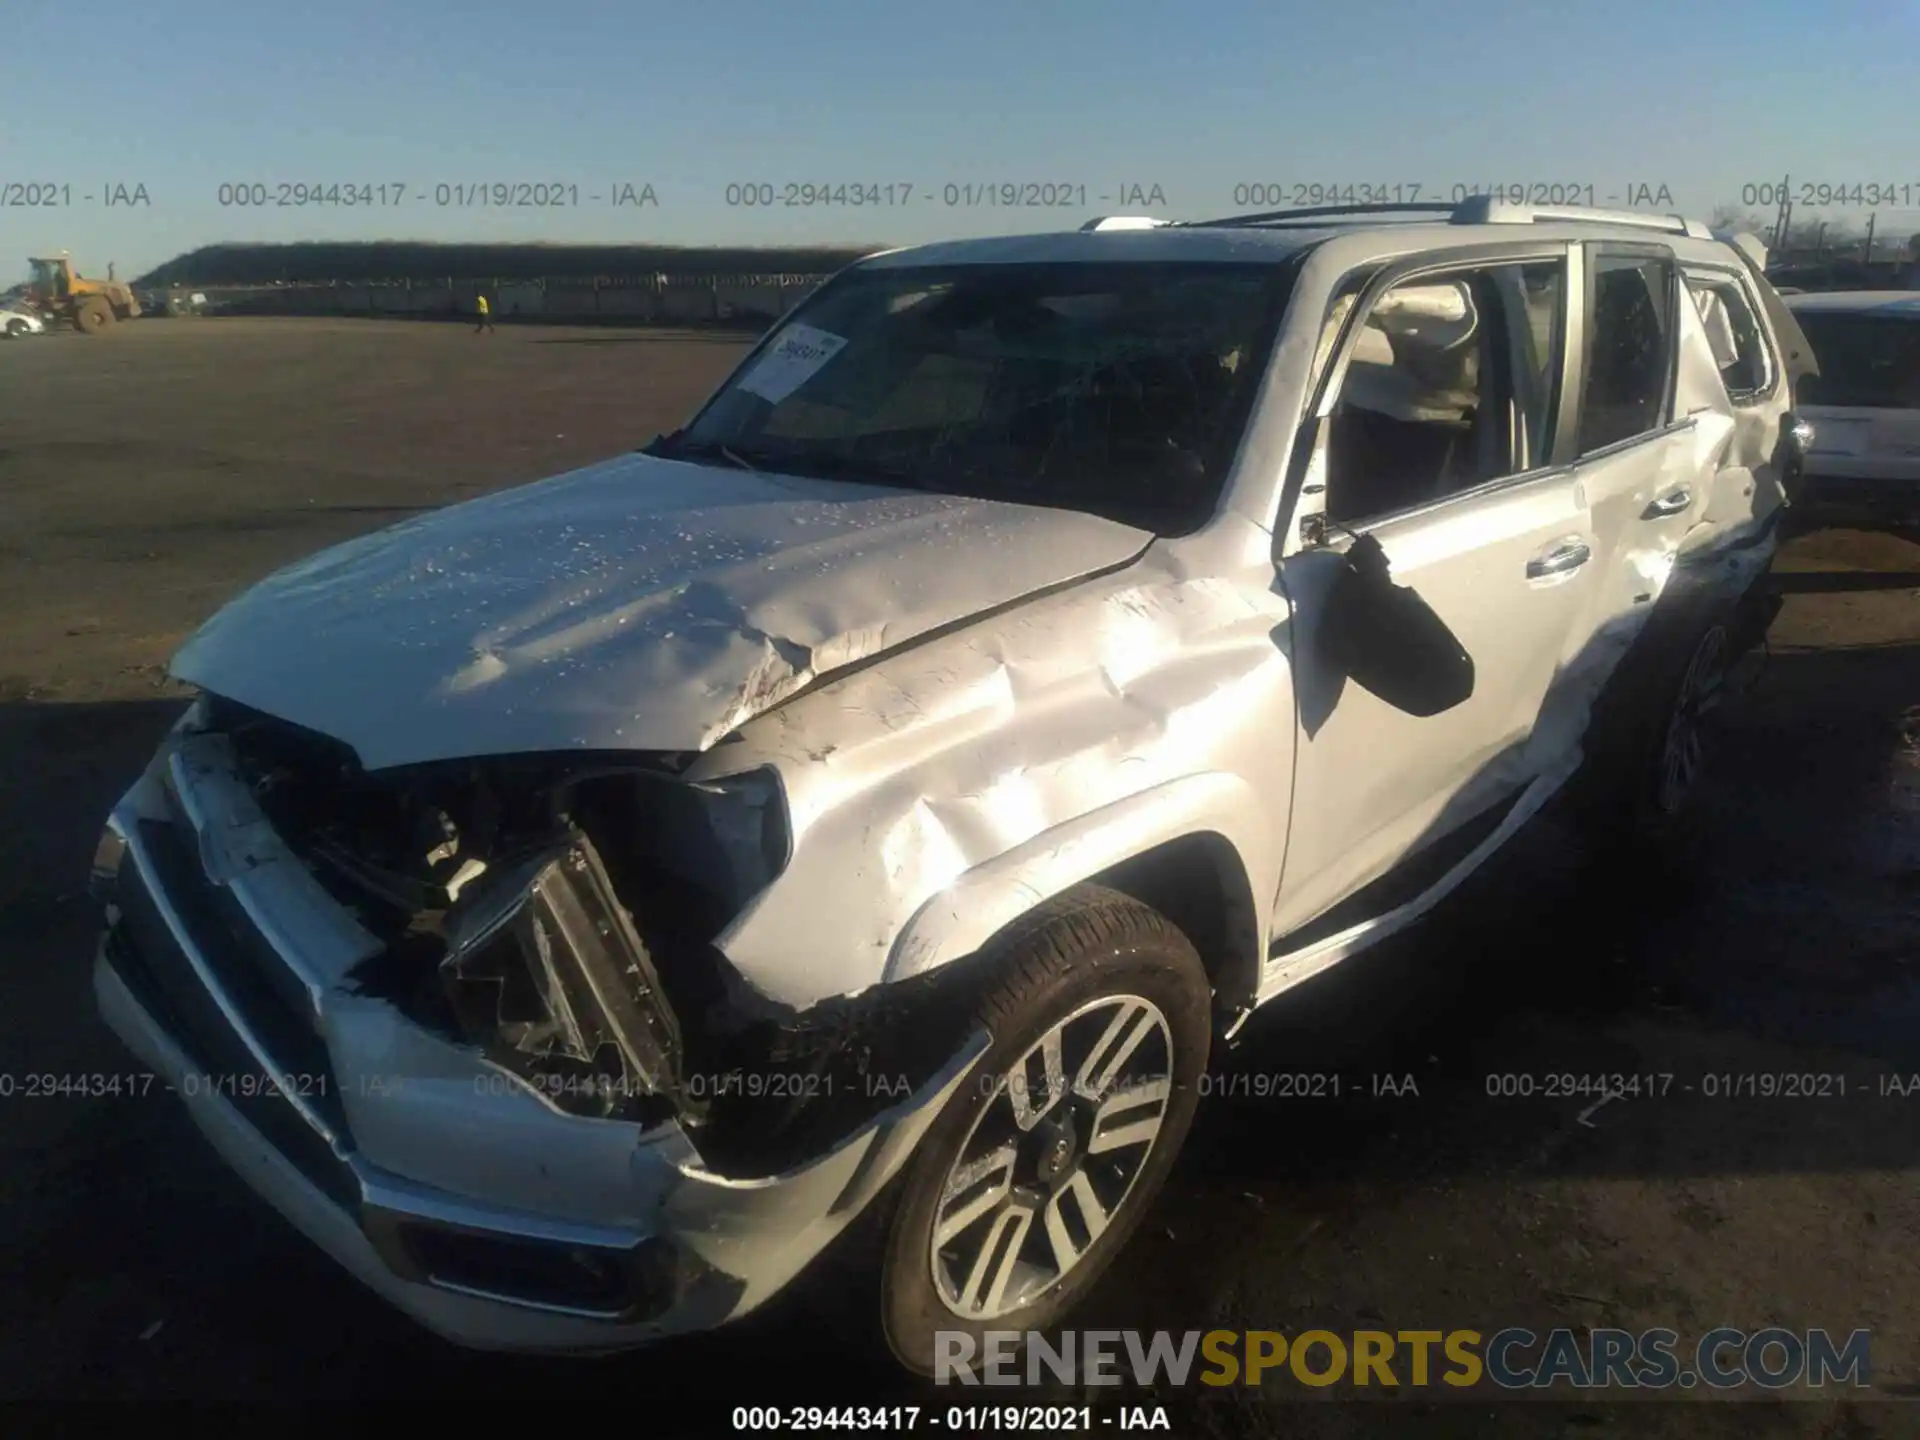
(1389, 641)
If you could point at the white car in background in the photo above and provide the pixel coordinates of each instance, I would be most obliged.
(1864, 405)
(17, 324)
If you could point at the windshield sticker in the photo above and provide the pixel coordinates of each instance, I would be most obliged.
(793, 360)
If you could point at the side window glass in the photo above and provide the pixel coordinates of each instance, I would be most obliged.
(1630, 340)
(1450, 383)
(1739, 344)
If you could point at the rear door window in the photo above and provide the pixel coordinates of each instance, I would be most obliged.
(1628, 362)
(1734, 332)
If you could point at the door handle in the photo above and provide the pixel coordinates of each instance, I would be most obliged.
(1671, 503)
(1559, 560)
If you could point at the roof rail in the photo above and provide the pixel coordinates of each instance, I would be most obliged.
(1474, 210)
(1486, 210)
(1124, 222)
(1318, 212)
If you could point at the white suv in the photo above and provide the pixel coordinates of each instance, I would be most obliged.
(858, 817)
(1863, 462)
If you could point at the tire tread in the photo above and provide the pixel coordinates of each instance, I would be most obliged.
(1039, 947)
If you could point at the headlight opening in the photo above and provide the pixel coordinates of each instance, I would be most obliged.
(547, 974)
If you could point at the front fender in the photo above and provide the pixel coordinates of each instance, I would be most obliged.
(961, 918)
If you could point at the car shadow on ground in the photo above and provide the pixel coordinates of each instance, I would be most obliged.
(1832, 582)
(1796, 929)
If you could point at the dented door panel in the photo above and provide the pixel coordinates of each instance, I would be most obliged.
(1372, 783)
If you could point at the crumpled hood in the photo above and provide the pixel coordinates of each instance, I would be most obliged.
(641, 604)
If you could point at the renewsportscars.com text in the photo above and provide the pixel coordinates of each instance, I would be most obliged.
(1513, 1358)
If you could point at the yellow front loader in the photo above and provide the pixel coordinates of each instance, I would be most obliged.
(90, 306)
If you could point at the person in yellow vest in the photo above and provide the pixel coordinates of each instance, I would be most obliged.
(485, 316)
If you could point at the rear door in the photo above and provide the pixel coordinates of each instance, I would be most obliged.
(1643, 465)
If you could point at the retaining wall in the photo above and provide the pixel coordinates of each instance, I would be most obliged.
(642, 300)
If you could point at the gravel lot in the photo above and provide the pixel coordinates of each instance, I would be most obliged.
(148, 475)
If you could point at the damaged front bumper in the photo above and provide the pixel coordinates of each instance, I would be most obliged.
(444, 1182)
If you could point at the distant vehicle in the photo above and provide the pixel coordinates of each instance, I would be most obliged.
(1864, 405)
(90, 306)
(1837, 274)
(17, 322)
(173, 302)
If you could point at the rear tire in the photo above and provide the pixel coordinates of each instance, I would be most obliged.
(1655, 735)
(1061, 1178)
(93, 317)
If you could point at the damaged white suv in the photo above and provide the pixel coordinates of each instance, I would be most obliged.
(863, 810)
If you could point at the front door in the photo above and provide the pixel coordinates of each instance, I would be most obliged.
(1438, 440)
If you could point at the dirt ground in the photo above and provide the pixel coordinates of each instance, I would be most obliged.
(147, 475)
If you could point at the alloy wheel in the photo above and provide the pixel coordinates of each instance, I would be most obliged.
(1052, 1157)
(1683, 753)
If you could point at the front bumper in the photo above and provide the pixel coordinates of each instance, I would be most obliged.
(440, 1180)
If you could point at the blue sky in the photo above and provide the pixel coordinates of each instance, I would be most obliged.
(181, 98)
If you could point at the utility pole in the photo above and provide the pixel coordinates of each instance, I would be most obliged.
(1868, 256)
(1784, 215)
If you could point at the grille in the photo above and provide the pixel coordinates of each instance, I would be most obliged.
(269, 997)
(143, 952)
(361, 836)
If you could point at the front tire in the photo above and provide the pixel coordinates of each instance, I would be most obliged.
(16, 329)
(1031, 1180)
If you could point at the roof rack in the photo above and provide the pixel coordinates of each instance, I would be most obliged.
(1486, 210)
(1311, 213)
(1474, 210)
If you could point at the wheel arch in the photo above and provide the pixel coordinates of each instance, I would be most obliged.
(1192, 849)
(1199, 882)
